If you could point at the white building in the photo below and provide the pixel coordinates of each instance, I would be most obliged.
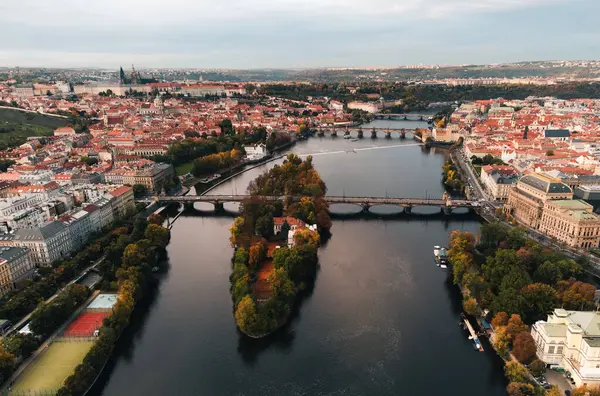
(256, 152)
(571, 340)
(47, 244)
(366, 106)
(498, 180)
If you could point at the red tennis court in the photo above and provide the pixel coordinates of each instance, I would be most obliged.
(85, 324)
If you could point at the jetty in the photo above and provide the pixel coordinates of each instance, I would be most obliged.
(473, 336)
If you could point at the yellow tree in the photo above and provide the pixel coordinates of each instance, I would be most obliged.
(502, 340)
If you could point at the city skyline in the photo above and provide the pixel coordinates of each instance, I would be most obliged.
(296, 34)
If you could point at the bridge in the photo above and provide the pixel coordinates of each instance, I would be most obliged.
(360, 132)
(396, 116)
(364, 202)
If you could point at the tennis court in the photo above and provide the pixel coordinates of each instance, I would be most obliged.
(51, 368)
(85, 324)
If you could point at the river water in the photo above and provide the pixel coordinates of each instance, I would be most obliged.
(382, 319)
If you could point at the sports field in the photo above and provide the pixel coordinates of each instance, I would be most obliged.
(85, 324)
(48, 372)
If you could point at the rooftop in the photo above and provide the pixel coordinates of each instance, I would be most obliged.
(546, 184)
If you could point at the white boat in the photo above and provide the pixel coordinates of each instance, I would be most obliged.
(443, 266)
(436, 251)
(347, 137)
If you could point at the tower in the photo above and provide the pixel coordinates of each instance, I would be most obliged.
(121, 75)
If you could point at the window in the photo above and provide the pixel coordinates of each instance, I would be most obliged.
(559, 350)
(551, 349)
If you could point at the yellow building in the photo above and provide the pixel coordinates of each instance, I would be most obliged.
(546, 204)
(572, 222)
(526, 200)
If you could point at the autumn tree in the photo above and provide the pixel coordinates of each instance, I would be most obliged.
(305, 236)
(470, 306)
(246, 316)
(516, 326)
(520, 389)
(516, 372)
(524, 347)
(157, 235)
(500, 319)
(7, 363)
(156, 219)
(257, 254)
(502, 340)
(576, 295)
(282, 285)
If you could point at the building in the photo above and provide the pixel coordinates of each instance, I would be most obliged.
(15, 267)
(557, 134)
(47, 244)
(526, 199)
(256, 152)
(589, 194)
(153, 177)
(572, 222)
(64, 131)
(122, 201)
(571, 340)
(366, 106)
(293, 222)
(498, 180)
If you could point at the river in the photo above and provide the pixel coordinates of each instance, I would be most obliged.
(382, 319)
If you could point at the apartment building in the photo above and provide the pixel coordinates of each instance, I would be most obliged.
(47, 244)
(15, 267)
(498, 180)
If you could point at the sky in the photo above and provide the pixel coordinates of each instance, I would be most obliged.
(244, 34)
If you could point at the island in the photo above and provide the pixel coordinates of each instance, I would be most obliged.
(276, 238)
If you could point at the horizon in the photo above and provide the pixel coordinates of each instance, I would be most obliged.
(295, 34)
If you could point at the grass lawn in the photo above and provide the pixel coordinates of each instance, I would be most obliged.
(52, 367)
(184, 169)
(16, 126)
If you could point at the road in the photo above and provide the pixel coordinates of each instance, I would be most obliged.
(23, 321)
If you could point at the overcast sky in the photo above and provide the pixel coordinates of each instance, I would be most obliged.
(294, 33)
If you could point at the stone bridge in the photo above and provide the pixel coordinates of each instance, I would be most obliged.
(364, 202)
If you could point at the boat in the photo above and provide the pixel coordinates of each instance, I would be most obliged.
(347, 137)
(440, 256)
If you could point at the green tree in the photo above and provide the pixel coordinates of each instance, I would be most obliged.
(264, 226)
(537, 367)
(7, 363)
(498, 266)
(539, 301)
(282, 286)
(22, 345)
(516, 372)
(157, 235)
(246, 316)
(139, 190)
(549, 273)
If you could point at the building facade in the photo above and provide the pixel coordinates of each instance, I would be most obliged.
(572, 222)
(15, 267)
(571, 340)
(526, 200)
(498, 180)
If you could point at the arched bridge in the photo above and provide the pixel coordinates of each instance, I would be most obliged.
(365, 202)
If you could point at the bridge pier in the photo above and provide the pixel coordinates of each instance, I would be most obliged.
(405, 118)
(408, 209)
(447, 210)
(333, 133)
(388, 135)
(360, 134)
(365, 207)
(219, 207)
(403, 134)
(373, 134)
(188, 206)
(320, 133)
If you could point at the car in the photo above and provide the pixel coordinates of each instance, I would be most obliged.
(547, 386)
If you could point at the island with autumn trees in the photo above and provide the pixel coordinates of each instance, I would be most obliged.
(276, 244)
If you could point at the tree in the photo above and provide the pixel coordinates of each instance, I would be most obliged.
(516, 326)
(22, 345)
(157, 235)
(264, 226)
(516, 372)
(258, 252)
(498, 266)
(282, 285)
(502, 340)
(549, 273)
(553, 391)
(305, 236)
(246, 315)
(576, 295)
(501, 319)
(139, 190)
(539, 300)
(520, 389)
(516, 238)
(7, 362)
(285, 229)
(156, 219)
(537, 367)
(470, 306)
(524, 347)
